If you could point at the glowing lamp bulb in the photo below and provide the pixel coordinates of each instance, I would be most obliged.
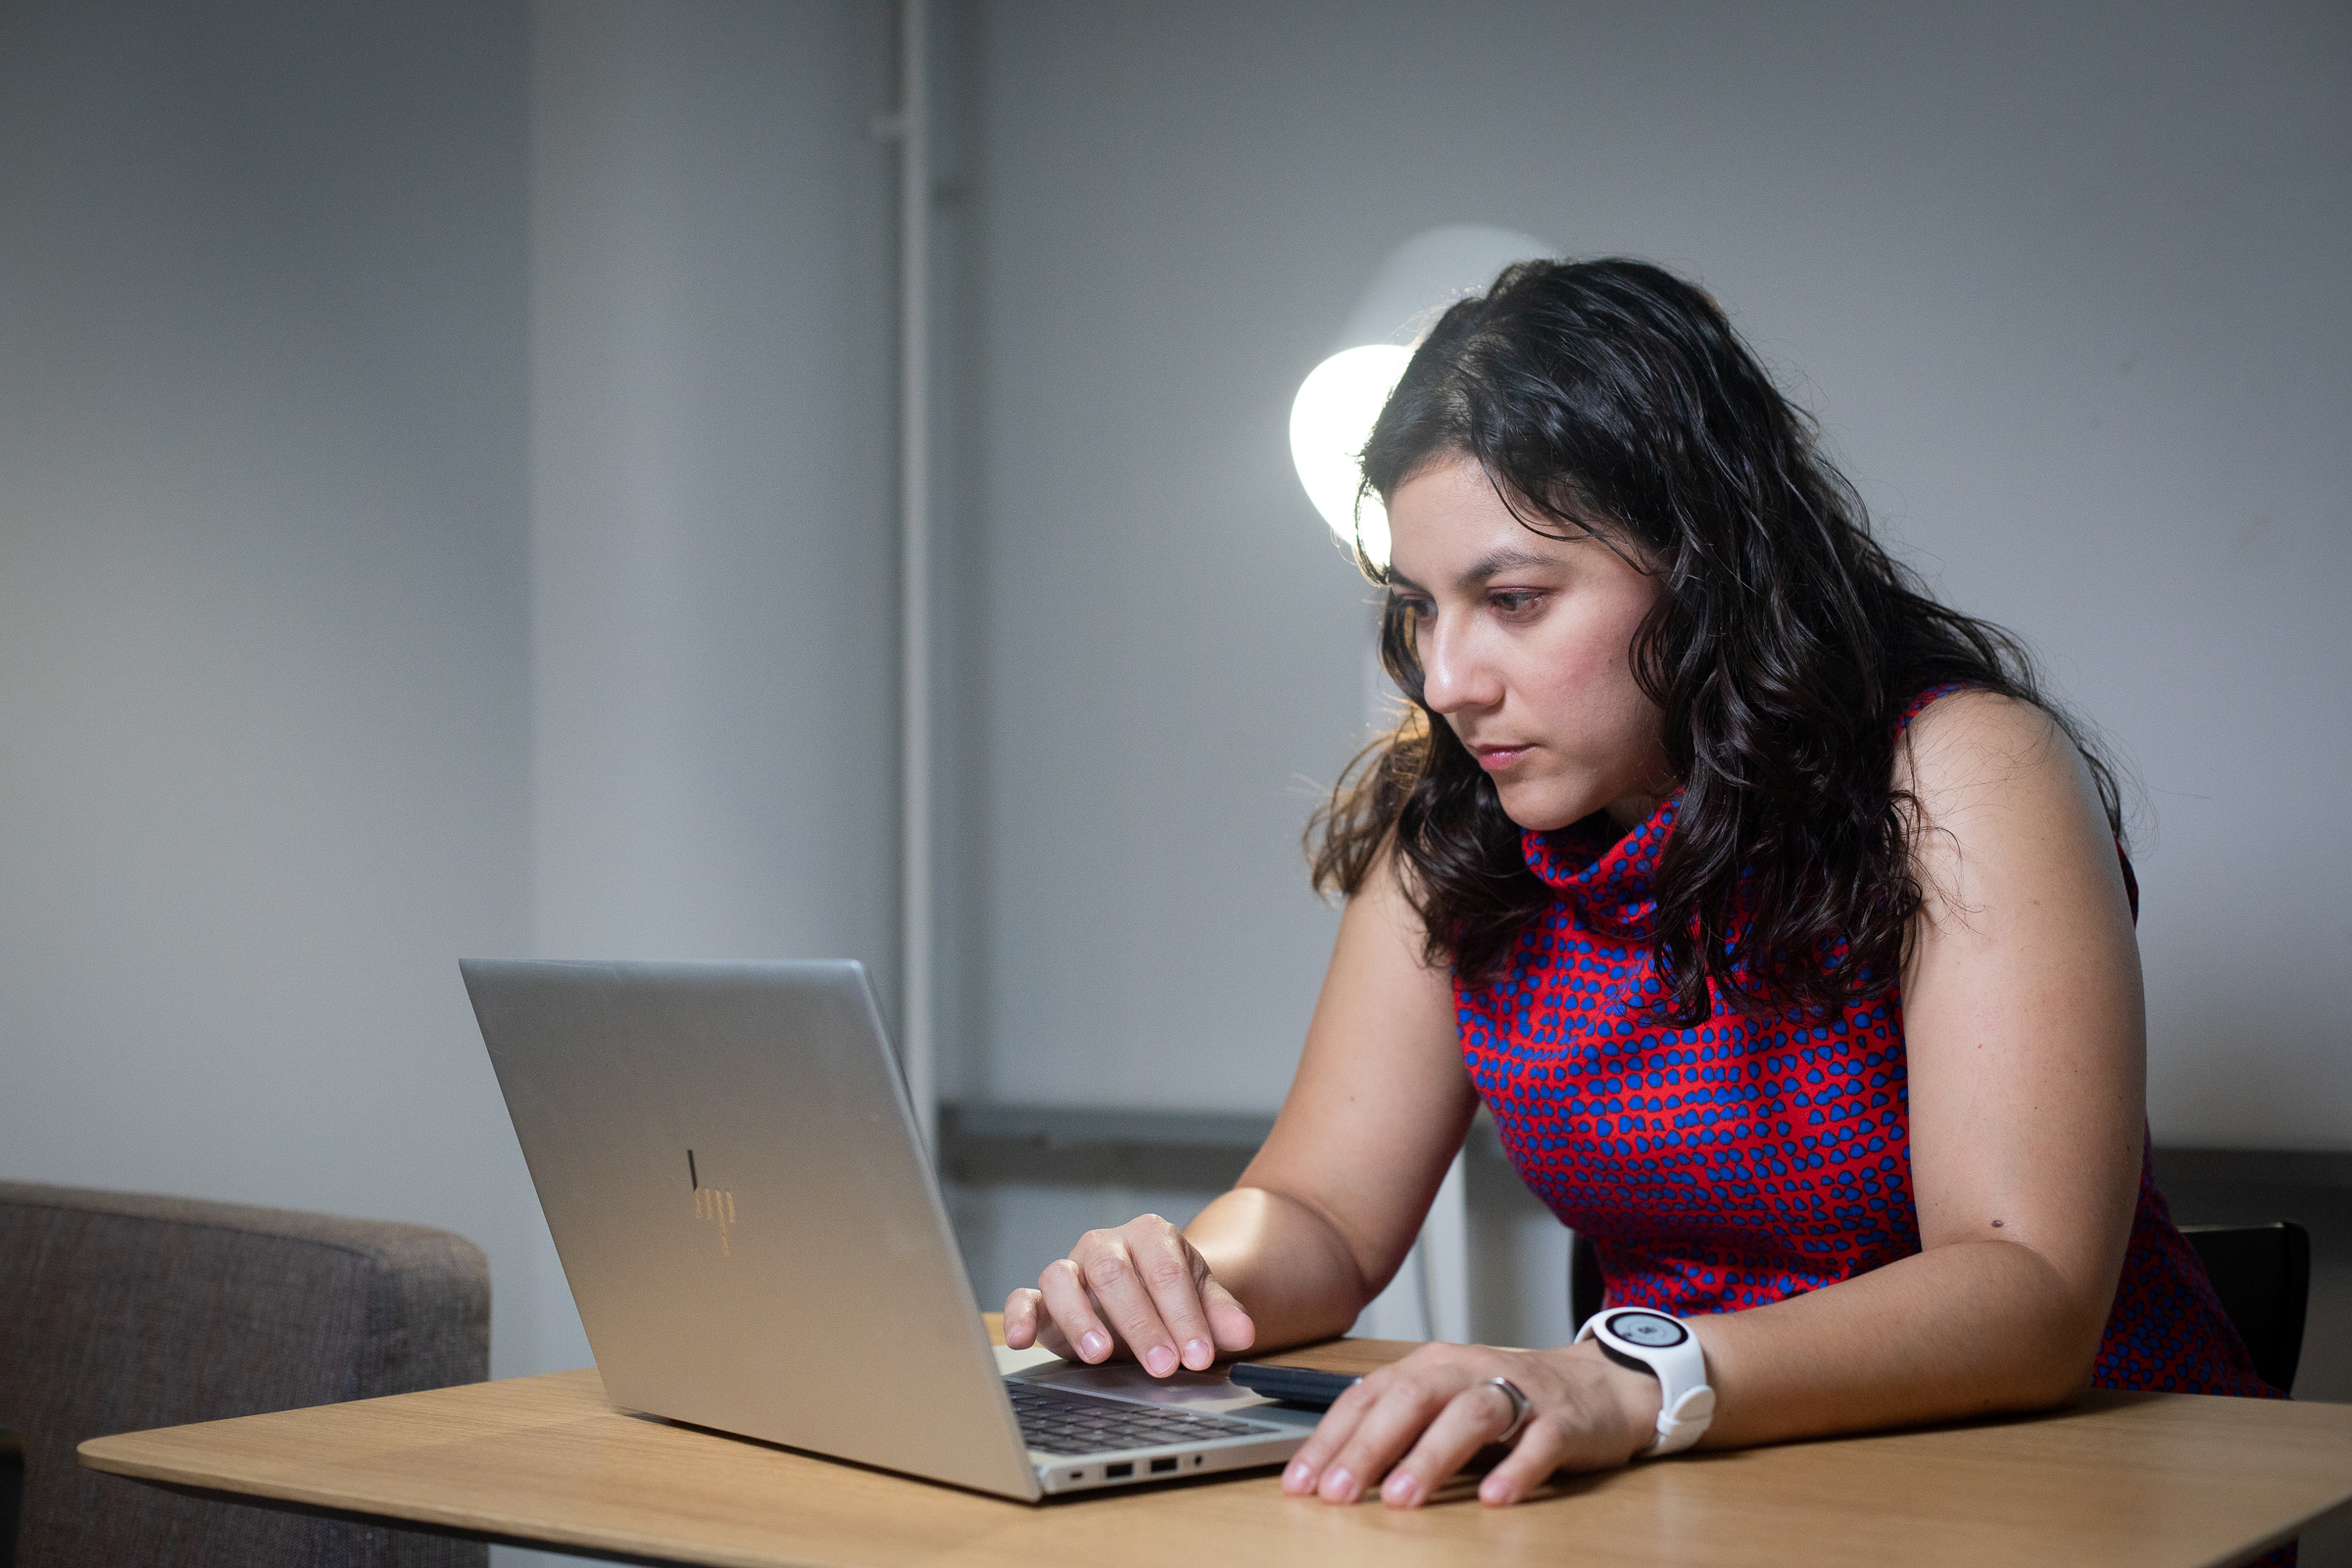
(1330, 421)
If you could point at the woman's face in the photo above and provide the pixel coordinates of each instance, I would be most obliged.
(1524, 643)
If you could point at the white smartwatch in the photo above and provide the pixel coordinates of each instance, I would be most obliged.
(1663, 1346)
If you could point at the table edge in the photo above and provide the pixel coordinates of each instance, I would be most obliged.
(121, 1454)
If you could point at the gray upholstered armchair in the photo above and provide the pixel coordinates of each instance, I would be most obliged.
(120, 1313)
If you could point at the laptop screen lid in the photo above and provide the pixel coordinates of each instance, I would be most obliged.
(735, 1183)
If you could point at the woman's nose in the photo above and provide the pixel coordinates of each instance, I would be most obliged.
(1453, 677)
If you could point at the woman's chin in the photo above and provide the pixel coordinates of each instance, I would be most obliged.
(1539, 811)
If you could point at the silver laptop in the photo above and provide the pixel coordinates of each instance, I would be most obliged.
(749, 1223)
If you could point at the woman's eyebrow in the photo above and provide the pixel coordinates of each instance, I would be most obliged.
(1501, 561)
(1479, 571)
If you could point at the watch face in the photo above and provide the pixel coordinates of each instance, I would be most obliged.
(1649, 1330)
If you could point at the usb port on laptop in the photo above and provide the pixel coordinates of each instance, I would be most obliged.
(1118, 1472)
(1161, 1467)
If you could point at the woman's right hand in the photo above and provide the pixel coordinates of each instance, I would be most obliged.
(1140, 1289)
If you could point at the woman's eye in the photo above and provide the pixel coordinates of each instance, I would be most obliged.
(1415, 609)
(1514, 605)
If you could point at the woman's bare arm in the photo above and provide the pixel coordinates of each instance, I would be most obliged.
(1327, 1210)
(2025, 1035)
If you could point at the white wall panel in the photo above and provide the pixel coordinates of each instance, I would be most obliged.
(713, 624)
(713, 533)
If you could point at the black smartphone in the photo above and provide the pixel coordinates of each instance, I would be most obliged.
(1293, 1385)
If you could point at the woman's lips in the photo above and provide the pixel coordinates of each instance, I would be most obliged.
(1495, 758)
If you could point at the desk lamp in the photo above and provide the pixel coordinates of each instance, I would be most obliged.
(1337, 402)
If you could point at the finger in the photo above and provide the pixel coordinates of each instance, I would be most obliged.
(1304, 1473)
(1544, 1446)
(1020, 1318)
(1036, 1326)
(1400, 1413)
(1073, 1311)
(1051, 1338)
(1171, 1272)
(1470, 1420)
(1121, 1296)
(1231, 1328)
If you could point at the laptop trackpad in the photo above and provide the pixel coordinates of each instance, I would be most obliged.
(1208, 1393)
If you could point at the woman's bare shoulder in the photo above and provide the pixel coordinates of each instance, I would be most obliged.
(1974, 748)
(2005, 809)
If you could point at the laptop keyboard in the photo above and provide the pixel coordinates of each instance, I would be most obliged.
(1055, 1421)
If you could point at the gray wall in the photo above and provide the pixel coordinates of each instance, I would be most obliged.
(264, 679)
(2065, 286)
(445, 508)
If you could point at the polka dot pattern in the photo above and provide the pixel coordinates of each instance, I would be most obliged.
(1743, 1161)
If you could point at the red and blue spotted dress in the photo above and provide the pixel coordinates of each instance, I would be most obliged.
(1738, 1162)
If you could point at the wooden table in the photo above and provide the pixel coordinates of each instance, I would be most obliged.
(2139, 1480)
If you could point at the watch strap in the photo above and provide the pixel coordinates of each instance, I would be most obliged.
(1686, 1401)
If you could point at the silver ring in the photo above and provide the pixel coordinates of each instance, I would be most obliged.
(1519, 1406)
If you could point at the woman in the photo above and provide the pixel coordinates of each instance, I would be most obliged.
(1781, 924)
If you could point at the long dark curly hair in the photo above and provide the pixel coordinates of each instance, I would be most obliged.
(1612, 400)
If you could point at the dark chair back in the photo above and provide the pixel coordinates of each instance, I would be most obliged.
(120, 1313)
(1584, 1281)
(2263, 1275)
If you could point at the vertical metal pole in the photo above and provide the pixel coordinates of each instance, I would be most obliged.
(916, 923)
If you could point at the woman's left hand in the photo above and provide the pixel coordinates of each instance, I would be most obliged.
(1418, 1421)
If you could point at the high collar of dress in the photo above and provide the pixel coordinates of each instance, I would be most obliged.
(1614, 876)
